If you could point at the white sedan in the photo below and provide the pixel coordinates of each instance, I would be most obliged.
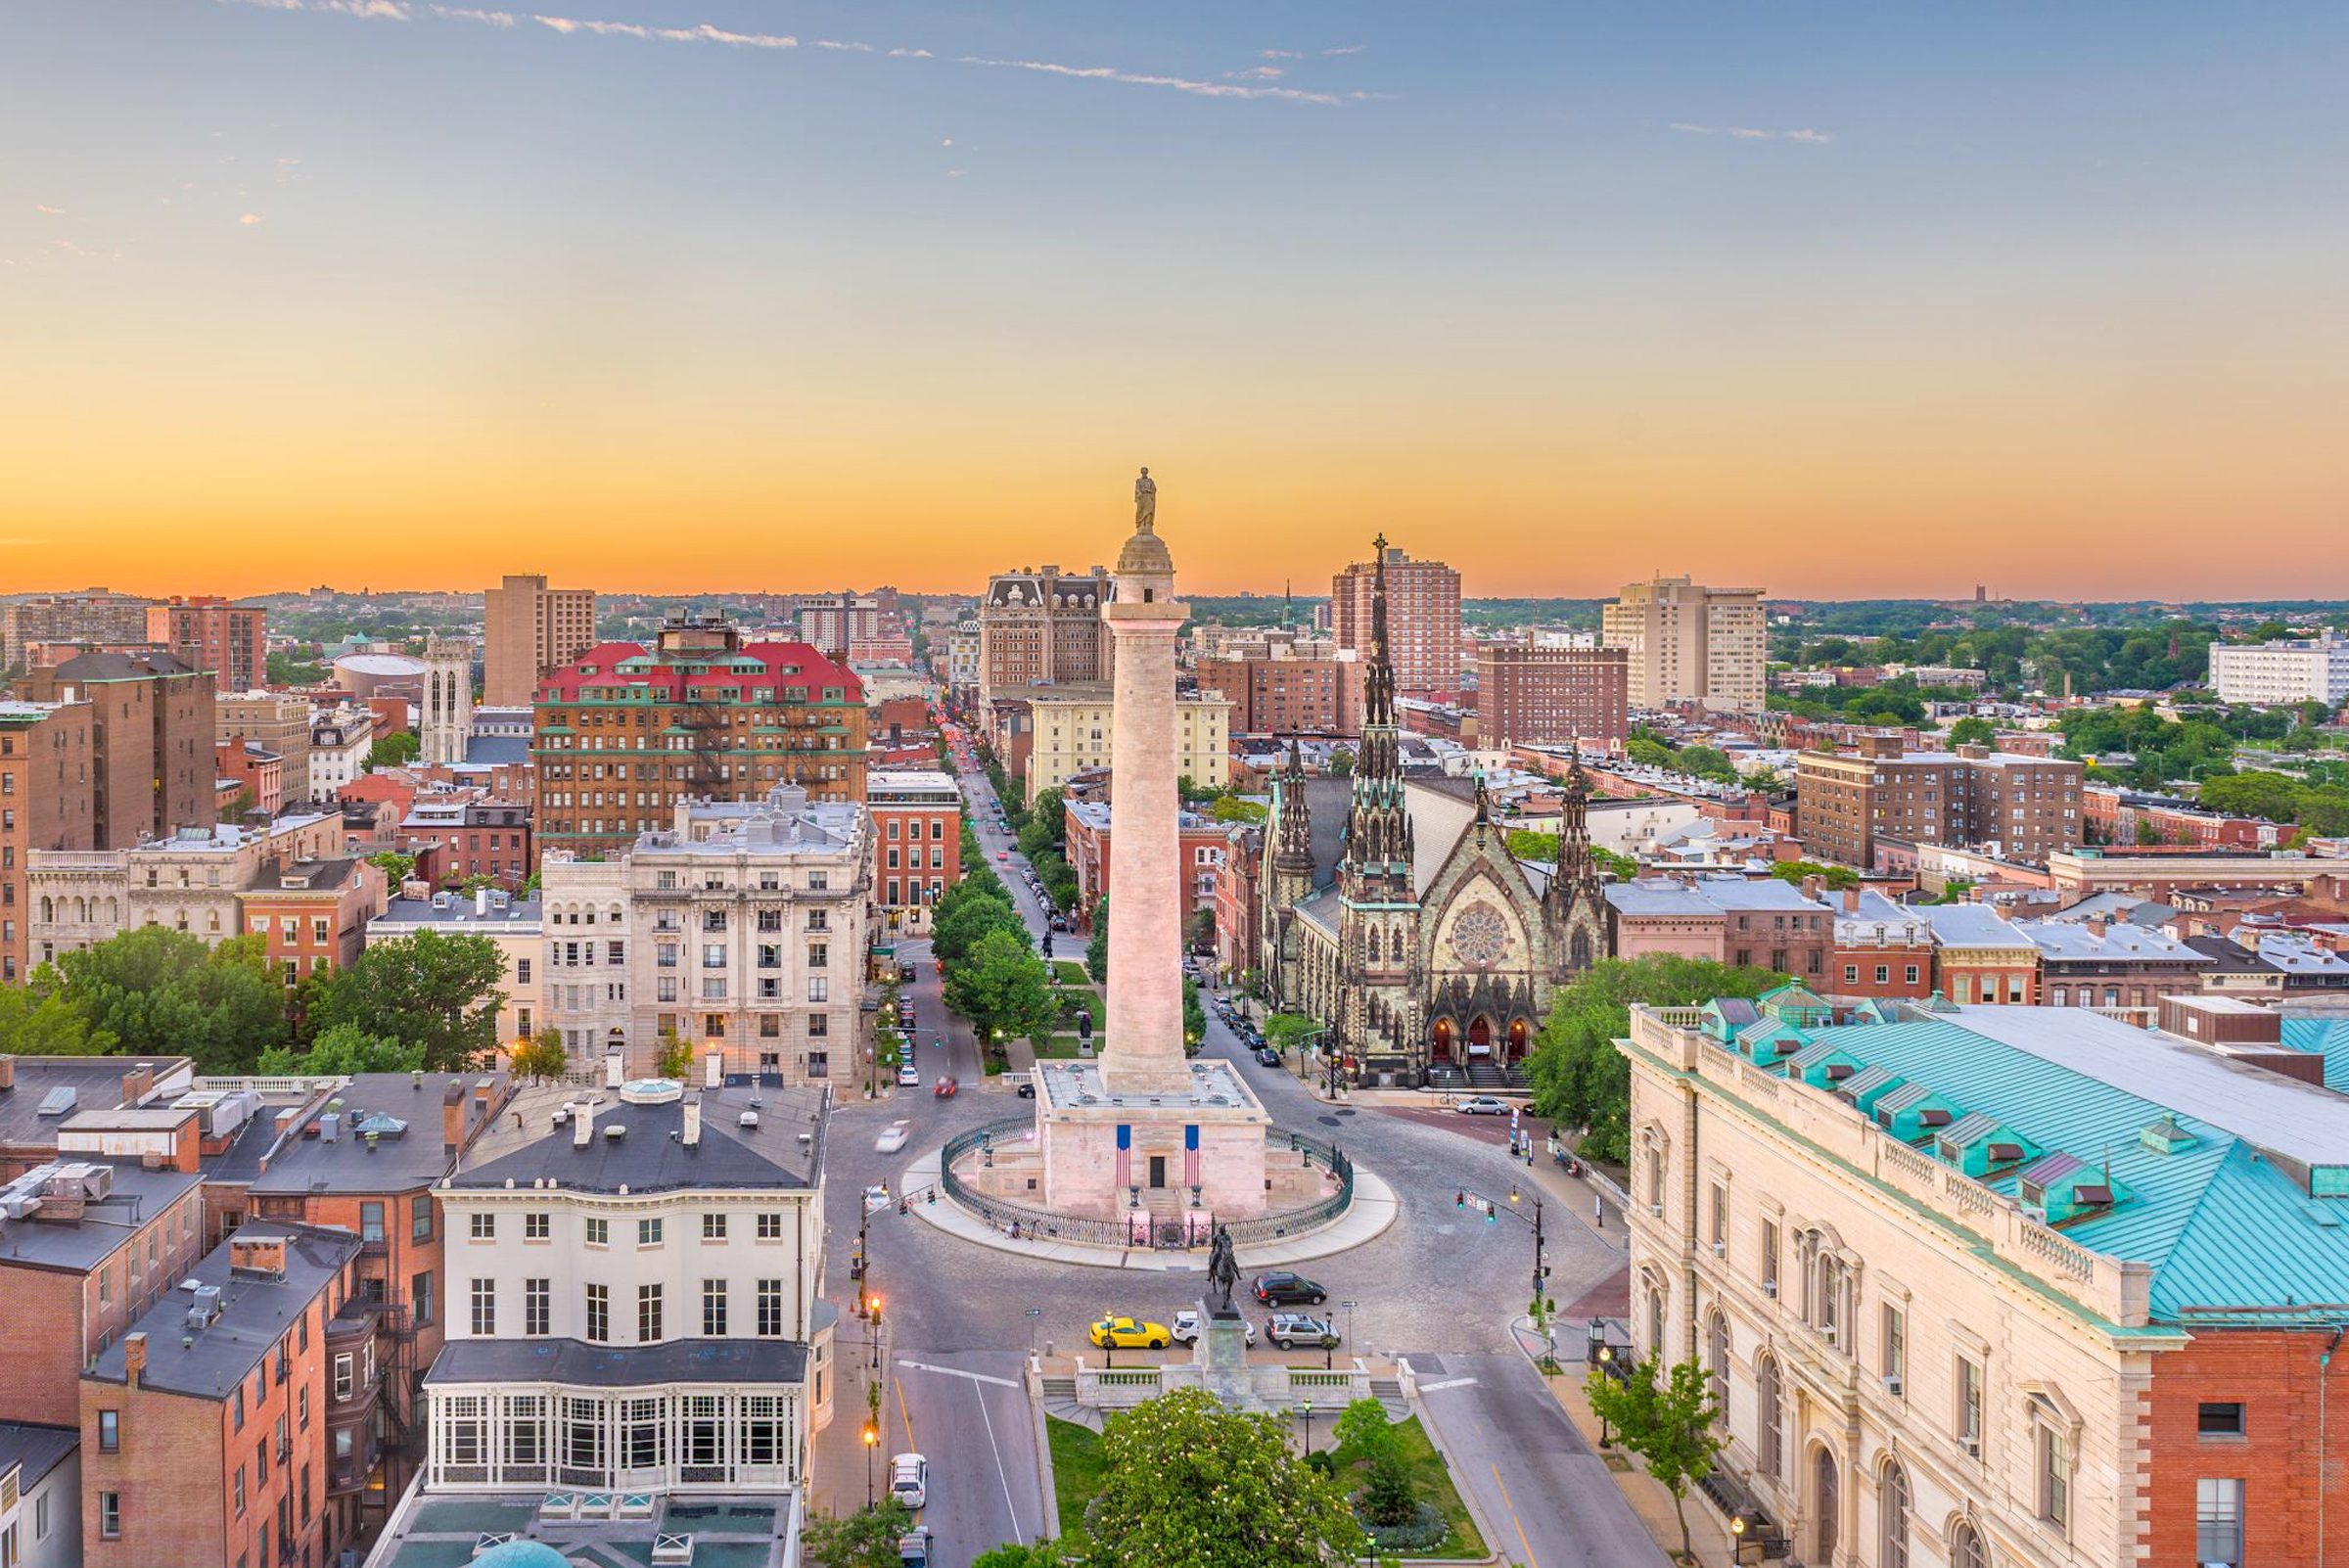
(1186, 1327)
(893, 1138)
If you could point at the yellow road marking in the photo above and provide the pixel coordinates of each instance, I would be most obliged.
(1517, 1523)
(904, 1415)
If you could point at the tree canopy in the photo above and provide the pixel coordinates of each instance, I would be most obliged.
(156, 991)
(435, 991)
(1972, 730)
(345, 1049)
(866, 1538)
(42, 1023)
(1003, 988)
(1578, 1076)
(1190, 1483)
(1669, 1419)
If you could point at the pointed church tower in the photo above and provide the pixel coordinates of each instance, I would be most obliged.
(1574, 906)
(1378, 909)
(1287, 882)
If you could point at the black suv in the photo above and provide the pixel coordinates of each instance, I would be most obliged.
(1283, 1289)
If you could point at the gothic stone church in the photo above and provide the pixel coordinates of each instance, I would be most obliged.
(1393, 911)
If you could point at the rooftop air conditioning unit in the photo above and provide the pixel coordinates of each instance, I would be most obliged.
(1770, 1288)
(616, 1133)
(1720, 1249)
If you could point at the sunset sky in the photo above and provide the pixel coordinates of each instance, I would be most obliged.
(1839, 299)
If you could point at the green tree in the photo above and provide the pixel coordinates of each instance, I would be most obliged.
(1194, 1018)
(1190, 1483)
(1238, 809)
(36, 1020)
(863, 1539)
(1578, 1076)
(1013, 1554)
(161, 992)
(1706, 761)
(959, 927)
(2272, 796)
(1671, 1421)
(434, 990)
(542, 1055)
(1363, 1435)
(395, 866)
(1341, 763)
(1973, 731)
(286, 671)
(1002, 988)
(1622, 867)
(395, 750)
(1096, 948)
(1837, 877)
(1285, 1030)
(1532, 844)
(1648, 753)
(344, 1050)
(675, 1059)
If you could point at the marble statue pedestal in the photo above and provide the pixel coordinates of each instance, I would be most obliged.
(1106, 1153)
(1222, 1357)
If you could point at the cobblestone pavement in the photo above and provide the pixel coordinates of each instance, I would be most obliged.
(1444, 1277)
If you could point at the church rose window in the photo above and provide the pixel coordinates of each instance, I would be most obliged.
(1481, 936)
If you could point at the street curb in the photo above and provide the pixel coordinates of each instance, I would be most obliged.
(1044, 1453)
(1374, 1209)
(1485, 1526)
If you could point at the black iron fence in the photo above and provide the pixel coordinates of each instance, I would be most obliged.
(1178, 1231)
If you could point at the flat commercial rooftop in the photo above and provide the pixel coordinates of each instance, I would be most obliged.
(747, 1531)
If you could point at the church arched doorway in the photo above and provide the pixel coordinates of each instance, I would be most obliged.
(1480, 1037)
(1438, 1047)
(1520, 1037)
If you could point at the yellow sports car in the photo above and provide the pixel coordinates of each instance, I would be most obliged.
(1127, 1334)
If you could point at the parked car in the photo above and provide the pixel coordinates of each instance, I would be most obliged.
(1483, 1105)
(1027, 1088)
(1186, 1326)
(1268, 1055)
(1284, 1289)
(1060, 922)
(913, 1547)
(1288, 1330)
(909, 1480)
(893, 1138)
(909, 1076)
(1129, 1333)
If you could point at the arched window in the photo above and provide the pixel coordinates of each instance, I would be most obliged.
(48, 910)
(1769, 1417)
(1579, 951)
(1965, 1547)
(1892, 1518)
(1655, 1319)
(1716, 1359)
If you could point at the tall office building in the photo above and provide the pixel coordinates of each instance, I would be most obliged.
(1041, 625)
(1690, 644)
(529, 628)
(623, 737)
(1423, 620)
(1543, 696)
(229, 641)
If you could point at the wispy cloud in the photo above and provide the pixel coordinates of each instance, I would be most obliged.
(702, 33)
(1281, 54)
(250, 219)
(848, 48)
(487, 18)
(53, 212)
(1181, 84)
(911, 54)
(1346, 49)
(380, 10)
(267, 5)
(1751, 133)
(1256, 73)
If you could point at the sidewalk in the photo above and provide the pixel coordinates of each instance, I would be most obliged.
(1374, 1207)
(1708, 1532)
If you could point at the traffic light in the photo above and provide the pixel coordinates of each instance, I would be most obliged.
(1491, 1218)
(1459, 1200)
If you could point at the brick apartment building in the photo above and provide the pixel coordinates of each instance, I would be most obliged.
(2028, 806)
(1202, 846)
(1042, 624)
(1981, 957)
(1423, 620)
(275, 721)
(1882, 949)
(917, 838)
(528, 630)
(151, 731)
(97, 1244)
(203, 1429)
(96, 618)
(312, 915)
(2098, 962)
(46, 763)
(230, 642)
(253, 774)
(456, 838)
(1285, 696)
(1531, 696)
(624, 733)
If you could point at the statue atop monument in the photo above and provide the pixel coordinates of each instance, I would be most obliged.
(1145, 502)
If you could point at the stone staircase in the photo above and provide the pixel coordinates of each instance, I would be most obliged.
(1388, 1391)
(1485, 1075)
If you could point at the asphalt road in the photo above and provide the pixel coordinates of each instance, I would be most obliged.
(1525, 1469)
(957, 1317)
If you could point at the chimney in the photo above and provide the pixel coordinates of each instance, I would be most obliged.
(452, 1116)
(1811, 884)
(1851, 900)
(714, 1069)
(2098, 925)
(136, 1083)
(134, 1357)
(583, 1123)
(258, 1255)
(481, 900)
(612, 1069)
(693, 1121)
(8, 1073)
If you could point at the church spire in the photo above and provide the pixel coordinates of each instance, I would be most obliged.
(1378, 827)
(1293, 834)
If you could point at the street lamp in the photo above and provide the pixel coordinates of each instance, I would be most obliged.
(1305, 1408)
(1540, 1269)
(1741, 1536)
(872, 1442)
(1034, 1313)
(873, 1306)
(1606, 1355)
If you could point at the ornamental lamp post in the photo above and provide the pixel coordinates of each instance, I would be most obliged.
(1606, 1356)
(872, 1442)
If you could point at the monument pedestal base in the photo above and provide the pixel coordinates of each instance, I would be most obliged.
(1222, 1357)
(1106, 1153)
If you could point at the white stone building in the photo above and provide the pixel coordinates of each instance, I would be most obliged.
(340, 742)
(633, 1306)
(445, 726)
(189, 882)
(742, 929)
(2286, 670)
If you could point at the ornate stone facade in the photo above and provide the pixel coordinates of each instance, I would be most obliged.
(1420, 960)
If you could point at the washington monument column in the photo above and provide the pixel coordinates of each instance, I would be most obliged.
(1142, 1040)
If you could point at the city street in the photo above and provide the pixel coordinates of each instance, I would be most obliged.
(1443, 1283)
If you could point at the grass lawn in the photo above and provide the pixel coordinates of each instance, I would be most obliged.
(1431, 1482)
(1077, 1469)
(1071, 972)
(1073, 1000)
(1060, 1046)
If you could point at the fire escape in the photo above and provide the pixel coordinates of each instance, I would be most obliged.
(704, 723)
